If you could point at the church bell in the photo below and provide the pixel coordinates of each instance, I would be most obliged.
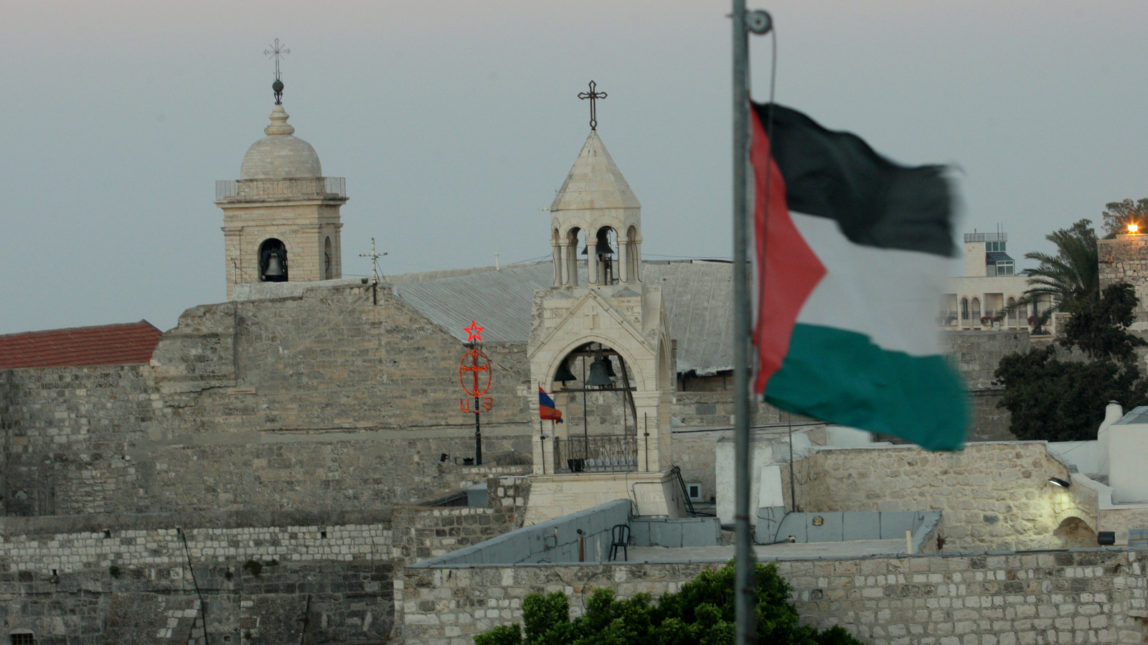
(564, 375)
(274, 266)
(602, 245)
(600, 372)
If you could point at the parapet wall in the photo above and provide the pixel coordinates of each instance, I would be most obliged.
(992, 496)
(1087, 596)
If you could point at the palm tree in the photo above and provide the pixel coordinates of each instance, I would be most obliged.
(1071, 278)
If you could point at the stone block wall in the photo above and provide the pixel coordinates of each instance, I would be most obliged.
(138, 581)
(992, 496)
(1091, 596)
(67, 436)
(323, 400)
(1125, 259)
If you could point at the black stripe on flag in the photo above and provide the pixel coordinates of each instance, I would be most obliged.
(876, 202)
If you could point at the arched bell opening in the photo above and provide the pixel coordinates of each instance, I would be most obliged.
(596, 386)
(600, 257)
(272, 261)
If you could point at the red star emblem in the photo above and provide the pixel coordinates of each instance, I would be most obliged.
(473, 333)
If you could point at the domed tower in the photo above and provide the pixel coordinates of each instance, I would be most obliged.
(281, 218)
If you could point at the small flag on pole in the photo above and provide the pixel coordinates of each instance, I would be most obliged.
(855, 255)
(546, 409)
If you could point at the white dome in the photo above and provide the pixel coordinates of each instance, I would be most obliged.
(279, 154)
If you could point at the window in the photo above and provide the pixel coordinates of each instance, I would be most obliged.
(964, 308)
(25, 638)
(327, 274)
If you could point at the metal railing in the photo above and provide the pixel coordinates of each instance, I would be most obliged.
(597, 453)
(295, 187)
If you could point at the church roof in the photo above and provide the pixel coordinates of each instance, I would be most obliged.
(280, 155)
(120, 344)
(697, 295)
(594, 181)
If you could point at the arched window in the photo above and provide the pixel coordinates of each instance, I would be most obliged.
(328, 260)
(964, 308)
(605, 243)
(1013, 314)
(272, 261)
(976, 309)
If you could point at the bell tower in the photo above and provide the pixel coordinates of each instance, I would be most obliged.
(600, 344)
(281, 218)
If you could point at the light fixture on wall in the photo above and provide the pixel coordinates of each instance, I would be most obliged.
(1056, 481)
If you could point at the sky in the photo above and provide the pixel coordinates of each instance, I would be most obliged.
(454, 123)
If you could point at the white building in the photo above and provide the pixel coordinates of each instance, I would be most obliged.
(980, 299)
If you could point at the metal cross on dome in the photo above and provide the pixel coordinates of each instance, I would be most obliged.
(593, 95)
(473, 333)
(277, 51)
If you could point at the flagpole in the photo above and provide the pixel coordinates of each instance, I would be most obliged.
(743, 598)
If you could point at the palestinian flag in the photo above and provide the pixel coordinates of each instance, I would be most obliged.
(855, 254)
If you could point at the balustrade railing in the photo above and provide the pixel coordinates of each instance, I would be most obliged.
(296, 187)
(597, 453)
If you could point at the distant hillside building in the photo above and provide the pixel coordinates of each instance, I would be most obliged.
(984, 297)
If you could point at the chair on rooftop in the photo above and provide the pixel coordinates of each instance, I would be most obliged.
(620, 537)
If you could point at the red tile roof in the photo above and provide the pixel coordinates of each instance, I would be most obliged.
(121, 344)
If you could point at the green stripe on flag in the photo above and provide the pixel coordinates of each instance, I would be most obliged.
(841, 377)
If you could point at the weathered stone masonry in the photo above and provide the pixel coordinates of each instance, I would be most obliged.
(1086, 596)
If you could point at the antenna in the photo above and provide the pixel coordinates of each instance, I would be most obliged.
(374, 256)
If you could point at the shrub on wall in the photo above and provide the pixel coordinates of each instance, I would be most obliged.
(702, 612)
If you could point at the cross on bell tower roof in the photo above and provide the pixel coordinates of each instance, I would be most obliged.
(593, 95)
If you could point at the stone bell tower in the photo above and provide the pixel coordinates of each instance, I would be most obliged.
(281, 218)
(600, 344)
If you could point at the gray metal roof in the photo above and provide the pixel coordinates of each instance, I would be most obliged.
(1136, 416)
(697, 293)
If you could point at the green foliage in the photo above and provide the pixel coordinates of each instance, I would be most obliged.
(1063, 400)
(1099, 327)
(1069, 278)
(501, 635)
(1118, 215)
(702, 612)
(1059, 400)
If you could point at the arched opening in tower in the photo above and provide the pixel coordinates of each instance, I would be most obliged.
(595, 387)
(605, 253)
(272, 261)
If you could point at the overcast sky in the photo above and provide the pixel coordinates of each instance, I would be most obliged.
(455, 121)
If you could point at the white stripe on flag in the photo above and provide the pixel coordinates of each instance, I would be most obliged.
(890, 295)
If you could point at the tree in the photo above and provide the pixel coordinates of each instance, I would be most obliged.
(1063, 400)
(1118, 215)
(702, 612)
(1100, 328)
(1071, 278)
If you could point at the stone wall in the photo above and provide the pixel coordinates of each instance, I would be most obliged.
(265, 577)
(67, 436)
(324, 400)
(1093, 596)
(1125, 259)
(992, 496)
(139, 580)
